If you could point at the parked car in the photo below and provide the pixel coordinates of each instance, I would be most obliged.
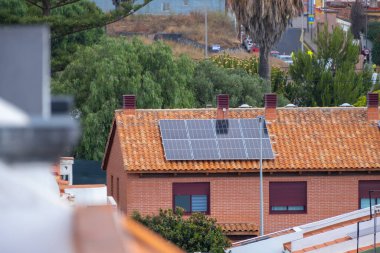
(255, 48)
(215, 48)
(274, 53)
(285, 58)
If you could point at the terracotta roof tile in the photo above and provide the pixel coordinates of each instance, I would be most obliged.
(303, 139)
(246, 228)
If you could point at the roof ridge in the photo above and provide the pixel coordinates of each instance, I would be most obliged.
(245, 109)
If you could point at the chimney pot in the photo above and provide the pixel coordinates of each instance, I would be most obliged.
(270, 101)
(373, 106)
(223, 101)
(223, 104)
(129, 102)
(372, 100)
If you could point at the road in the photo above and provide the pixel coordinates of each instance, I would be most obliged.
(289, 42)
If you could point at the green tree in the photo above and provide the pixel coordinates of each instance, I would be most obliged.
(328, 78)
(374, 36)
(265, 21)
(376, 50)
(197, 233)
(43, 11)
(99, 75)
(357, 19)
(243, 88)
(73, 23)
(250, 65)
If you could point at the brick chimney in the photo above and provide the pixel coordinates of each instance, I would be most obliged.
(373, 106)
(270, 101)
(223, 104)
(129, 104)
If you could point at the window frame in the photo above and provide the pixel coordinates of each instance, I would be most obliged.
(288, 186)
(364, 186)
(166, 7)
(191, 189)
(117, 190)
(111, 186)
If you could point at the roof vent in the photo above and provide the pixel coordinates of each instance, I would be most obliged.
(129, 102)
(345, 105)
(290, 106)
(245, 106)
(223, 101)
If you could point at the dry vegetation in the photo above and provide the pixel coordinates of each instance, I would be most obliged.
(220, 28)
(220, 31)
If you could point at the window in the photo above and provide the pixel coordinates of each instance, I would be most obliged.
(111, 186)
(287, 197)
(117, 190)
(364, 188)
(192, 197)
(165, 6)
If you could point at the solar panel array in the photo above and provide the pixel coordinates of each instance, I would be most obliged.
(211, 139)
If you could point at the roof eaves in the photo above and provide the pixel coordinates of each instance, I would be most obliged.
(109, 145)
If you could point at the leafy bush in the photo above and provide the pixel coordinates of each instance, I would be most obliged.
(250, 65)
(362, 101)
(243, 88)
(197, 233)
(328, 78)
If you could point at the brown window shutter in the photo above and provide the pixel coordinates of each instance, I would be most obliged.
(191, 188)
(366, 185)
(287, 194)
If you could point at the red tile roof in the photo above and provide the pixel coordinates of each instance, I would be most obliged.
(237, 228)
(303, 139)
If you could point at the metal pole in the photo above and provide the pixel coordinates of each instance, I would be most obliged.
(366, 26)
(206, 49)
(302, 20)
(357, 237)
(370, 204)
(374, 232)
(261, 178)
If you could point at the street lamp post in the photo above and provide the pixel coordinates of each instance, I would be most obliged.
(206, 38)
(302, 20)
(366, 26)
(261, 121)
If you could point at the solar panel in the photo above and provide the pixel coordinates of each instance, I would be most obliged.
(205, 149)
(232, 149)
(210, 139)
(228, 129)
(177, 150)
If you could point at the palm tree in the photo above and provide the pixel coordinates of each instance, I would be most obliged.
(265, 21)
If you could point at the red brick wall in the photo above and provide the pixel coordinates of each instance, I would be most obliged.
(115, 169)
(236, 198)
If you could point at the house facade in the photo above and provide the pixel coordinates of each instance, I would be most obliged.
(170, 7)
(324, 161)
